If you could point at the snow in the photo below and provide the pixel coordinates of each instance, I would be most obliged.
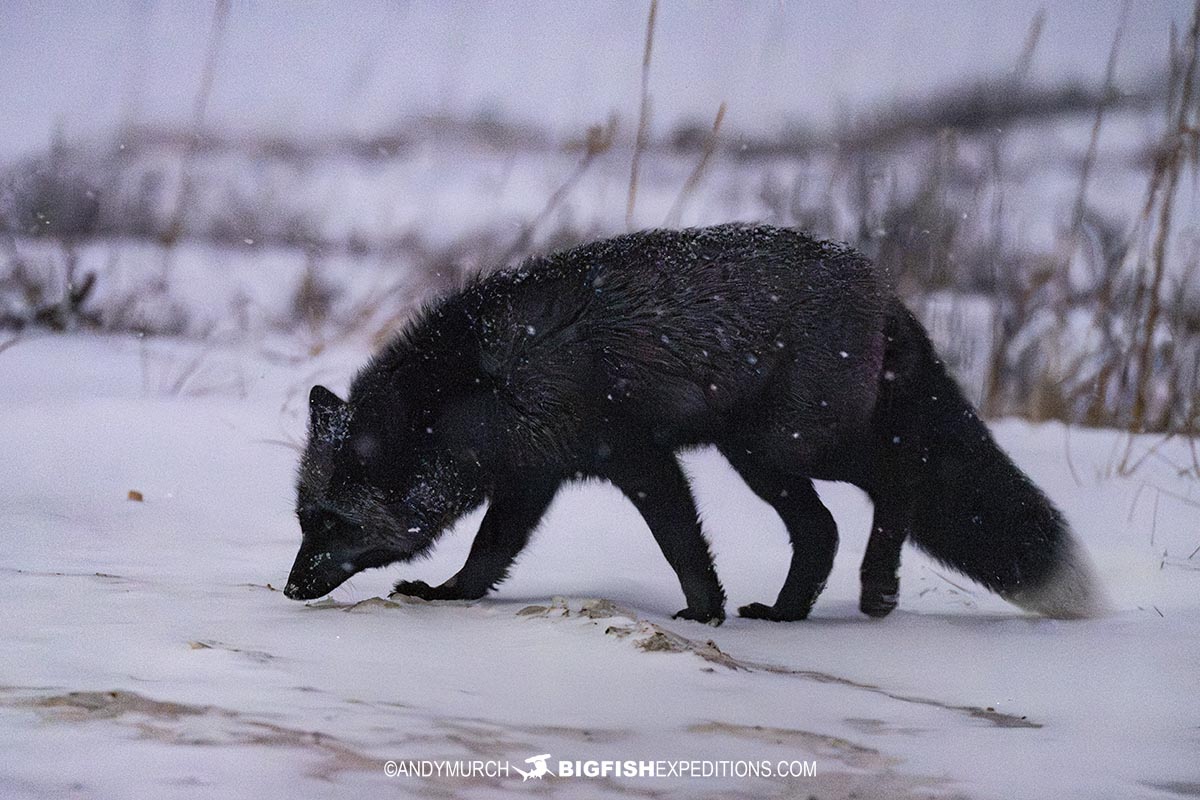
(196, 678)
(147, 647)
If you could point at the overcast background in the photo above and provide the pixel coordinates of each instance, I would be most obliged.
(354, 67)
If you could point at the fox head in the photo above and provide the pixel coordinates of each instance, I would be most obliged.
(376, 487)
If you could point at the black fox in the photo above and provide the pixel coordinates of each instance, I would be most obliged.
(789, 354)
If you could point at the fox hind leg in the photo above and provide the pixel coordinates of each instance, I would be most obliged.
(810, 526)
(881, 563)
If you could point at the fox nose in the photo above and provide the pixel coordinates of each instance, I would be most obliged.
(317, 571)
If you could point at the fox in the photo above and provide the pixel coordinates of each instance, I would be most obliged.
(791, 355)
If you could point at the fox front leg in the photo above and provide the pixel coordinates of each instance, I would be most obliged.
(654, 482)
(511, 517)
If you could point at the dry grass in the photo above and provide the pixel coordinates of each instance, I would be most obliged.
(643, 128)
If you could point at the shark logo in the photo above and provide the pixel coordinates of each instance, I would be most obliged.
(539, 767)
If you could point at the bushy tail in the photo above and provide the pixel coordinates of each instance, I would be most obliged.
(970, 507)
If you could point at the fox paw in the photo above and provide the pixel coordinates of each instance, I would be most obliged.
(713, 618)
(773, 613)
(424, 591)
(879, 600)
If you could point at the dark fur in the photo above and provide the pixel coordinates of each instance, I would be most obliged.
(788, 354)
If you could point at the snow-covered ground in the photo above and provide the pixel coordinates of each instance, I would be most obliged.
(148, 651)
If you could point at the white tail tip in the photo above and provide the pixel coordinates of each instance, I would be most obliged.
(1070, 592)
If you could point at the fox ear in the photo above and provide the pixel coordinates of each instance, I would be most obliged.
(327, 413)
(323, 400)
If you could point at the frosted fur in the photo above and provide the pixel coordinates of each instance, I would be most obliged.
(789, 354)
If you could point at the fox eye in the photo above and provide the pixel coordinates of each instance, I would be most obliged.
(365, 446)
(316, 514)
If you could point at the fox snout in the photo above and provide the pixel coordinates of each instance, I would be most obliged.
(321, 568)
(318, 572)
